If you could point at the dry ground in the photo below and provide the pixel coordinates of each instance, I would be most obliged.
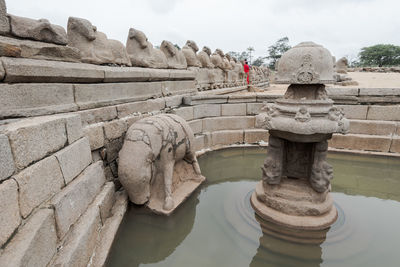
(364, 79)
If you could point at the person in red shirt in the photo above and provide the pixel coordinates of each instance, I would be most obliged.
(247, 71)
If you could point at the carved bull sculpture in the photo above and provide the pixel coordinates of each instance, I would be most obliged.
(157, 163)
(142, 53)
(175, 57)
(94, 46)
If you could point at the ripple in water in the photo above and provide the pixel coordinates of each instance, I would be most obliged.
(218, 227)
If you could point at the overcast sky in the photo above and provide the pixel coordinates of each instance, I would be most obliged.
(342, 26)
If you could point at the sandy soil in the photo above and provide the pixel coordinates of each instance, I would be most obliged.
(364, 79)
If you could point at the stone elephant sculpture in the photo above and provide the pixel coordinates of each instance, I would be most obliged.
(157, 163)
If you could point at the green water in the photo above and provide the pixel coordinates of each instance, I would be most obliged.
(217, 227)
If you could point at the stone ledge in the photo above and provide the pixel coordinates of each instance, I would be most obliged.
(204, 99)
(384, 113)
(227, 137)
(361, 142)
(6, 158)
(34, 99)
(34, 244)
(109, 230)
(228, 123)
(73, 200)
(371, 127)
(21, 70)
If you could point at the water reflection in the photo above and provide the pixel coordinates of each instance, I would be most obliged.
(217, 227)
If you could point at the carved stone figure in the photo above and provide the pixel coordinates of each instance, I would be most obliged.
(204, 57)
(322, 171)
(341, 65)
(142, 53)
(175, 58)
(4, 23)
(272, 169)
(216, 60)
(94, 46)
(190, 50)
(39, 30)
(157, 163)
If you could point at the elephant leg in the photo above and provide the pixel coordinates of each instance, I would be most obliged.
(191, 158)
(168, 173)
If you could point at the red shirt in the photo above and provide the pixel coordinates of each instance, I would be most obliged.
(246, 68)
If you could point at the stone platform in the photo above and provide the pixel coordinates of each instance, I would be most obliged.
(300, 207)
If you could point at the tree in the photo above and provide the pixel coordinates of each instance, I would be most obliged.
(177, 46)
(258, 62)
(380, 55)
(276, 50)
(250, 49)
(239, 55)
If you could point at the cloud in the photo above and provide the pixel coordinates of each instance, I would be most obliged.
(162, 6)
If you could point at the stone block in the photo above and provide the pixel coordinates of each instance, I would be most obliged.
(81, 242)
(395, 146)
(4, 23)
(372, 127)
(35, 99)
(199, 142)
(74, 127)
(184, 112)
(233, 109)
(178, 87)
(105, 200)
(109, 231)
(74, 199)
(254, 136)
(112, 149)
(35, 244)
(205, 99)
(6, 158)
(181, 74)
(384, 113)
(140, 107)
(38, 183)
(342, 91)
(361, 142)
(228, 123)
(74, 159)
(206, 110)
(22, 70)
(358, 112)
(379, 91)
(98, 95)
(129, 120)
(248, 98)
(33, 139)
(38, 50)
(97, 115)
(261, 97)
(173, 101)
(95, 133)
(254, 108)
(132, 74)
(115, 129)
(398, 129)
(196, 125)
(227, 137)
(9, 210)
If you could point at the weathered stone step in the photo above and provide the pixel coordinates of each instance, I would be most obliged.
(22, 70)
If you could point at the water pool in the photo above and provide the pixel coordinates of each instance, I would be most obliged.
(216, 226)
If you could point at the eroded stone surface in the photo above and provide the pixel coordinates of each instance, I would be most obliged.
(38, 183)
(175, 58)
(9, 210)
(6, 158)
(35, 244)
(39, 30)
(4, 23)
(158, 149)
